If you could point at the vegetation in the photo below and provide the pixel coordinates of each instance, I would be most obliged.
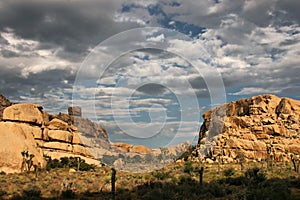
(176, 181)
(68, 162)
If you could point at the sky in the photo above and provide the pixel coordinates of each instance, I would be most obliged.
(147, 70)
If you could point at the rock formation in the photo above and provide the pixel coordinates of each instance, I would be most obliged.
(256, 128)
(25, 127)
(132, 148)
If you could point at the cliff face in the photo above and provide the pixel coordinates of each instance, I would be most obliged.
(249, 126)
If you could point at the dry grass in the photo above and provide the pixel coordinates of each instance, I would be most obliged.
(176, 181)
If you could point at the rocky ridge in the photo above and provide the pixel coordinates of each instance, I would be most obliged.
(255, 128)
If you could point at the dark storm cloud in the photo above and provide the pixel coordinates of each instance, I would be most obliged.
(291, 7)
(13, 85)
(73, 25)
(152, 89)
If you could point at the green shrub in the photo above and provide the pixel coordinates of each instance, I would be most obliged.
(255, 176)
(68, 194)
(238, 181)
(69, 162)
(160, 175)
(32, 192)
(216, 190)
(229, 172)
(188, 167)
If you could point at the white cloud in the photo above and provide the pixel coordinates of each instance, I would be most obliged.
(159, 38)
(28, 57)
(253, 90)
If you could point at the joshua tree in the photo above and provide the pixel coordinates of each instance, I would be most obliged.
(296, 161)
(201, 172)
(113, 182)
(27, 162)
(241, 159)
(270, 154)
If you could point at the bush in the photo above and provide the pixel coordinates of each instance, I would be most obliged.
(229, 172)
(238, 181)
(255, 176)
(188, 167)
(69, 162)
(216, 190)
(161, 175)
(67, 194)
(32, 192)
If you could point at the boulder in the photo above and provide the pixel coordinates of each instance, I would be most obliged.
(58, 146)
(13, 141)
(123, 146)
(80, 150)
(35, 131)
(64, 136)
(140, 149)
(76, 139)
(24, 113)
(57, 124)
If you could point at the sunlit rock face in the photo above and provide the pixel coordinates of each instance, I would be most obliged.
(248, 126)
(26, 127)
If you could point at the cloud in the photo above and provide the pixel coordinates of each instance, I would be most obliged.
(253, 90)
(74, 26)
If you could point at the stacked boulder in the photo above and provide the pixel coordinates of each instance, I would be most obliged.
(250, 127)
(25, 127)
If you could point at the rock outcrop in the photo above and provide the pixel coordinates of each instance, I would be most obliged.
(133, 148)
(16, 138)
(256, 128)
(25, 127)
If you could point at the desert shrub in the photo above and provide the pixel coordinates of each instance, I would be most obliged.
(185, 180)
(238, 181)
(188, 167)
(160, 175)
(68, 194)
(274, 192)
(174, 180)
(52, 164)
(31, 192)
(229, 172)
(255, 176)
(69, 162)
(2, 193)
(216, 190)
